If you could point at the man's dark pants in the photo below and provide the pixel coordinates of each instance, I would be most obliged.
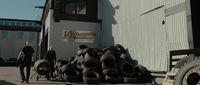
(28, 67)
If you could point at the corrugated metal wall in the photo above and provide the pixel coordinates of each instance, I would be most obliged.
(177, 31)
(154, 54)
(147, 5)
(140, 26)
(171, 3)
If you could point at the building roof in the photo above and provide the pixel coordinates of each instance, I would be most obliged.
(19, 25)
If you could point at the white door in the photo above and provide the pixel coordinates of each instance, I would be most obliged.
(155, 55)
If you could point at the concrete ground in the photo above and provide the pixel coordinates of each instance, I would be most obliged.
(11, 76)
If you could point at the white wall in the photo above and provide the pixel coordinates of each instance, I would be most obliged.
(68, 49)
(138, 25)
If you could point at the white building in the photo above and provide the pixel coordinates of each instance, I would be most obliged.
(148, 28)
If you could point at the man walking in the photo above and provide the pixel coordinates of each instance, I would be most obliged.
(25, 60)
(51, 57)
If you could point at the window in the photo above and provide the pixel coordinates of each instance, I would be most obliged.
(18, 24)
(70, 6)
(6, 23)
(1, 23)
(24, 24)
(5, 35)
(81, 7)
(30, 24)
(32, 36)
(20, 35)
(75, 7)
(12, 23)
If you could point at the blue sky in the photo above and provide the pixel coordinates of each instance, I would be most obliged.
(21, 9)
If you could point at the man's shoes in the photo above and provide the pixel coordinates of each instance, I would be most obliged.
(27, 82)
(22, 81)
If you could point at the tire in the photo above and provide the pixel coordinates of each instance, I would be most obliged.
(183, 61)
(107, 56)
(82, 46)
(42, 67)
(111, 71)
(120, 48)
(113, 50)
(107, 64)
(71, 75)
(91, 77)
(91, 52)
(70, 60)
(79, 52)
(127, 69)
(187, 73)
(85, 70)
(68, 66)
(144, 76)
(90, 61)
(123, 56)
(114, 79)
(71, 78)
(130, 80)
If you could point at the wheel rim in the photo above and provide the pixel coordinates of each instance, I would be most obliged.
(192, 77)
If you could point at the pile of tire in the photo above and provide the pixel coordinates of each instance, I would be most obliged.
(42, 67)
(111, 64)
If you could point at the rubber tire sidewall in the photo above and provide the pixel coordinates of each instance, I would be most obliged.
(179, 76)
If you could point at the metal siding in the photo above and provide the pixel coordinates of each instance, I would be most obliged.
(115, 13)
(147, 5)
(177, 31)
(144, 36)
(145, 39)
(171, 3)
(155, 54)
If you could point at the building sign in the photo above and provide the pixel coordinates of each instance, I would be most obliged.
(79, 36)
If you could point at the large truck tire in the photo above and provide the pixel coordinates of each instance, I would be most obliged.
(188, 74)
(183, 61)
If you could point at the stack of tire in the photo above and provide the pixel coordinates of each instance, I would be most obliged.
(117, 66)
(71, 73)
(109, 68)
(91, 67)
(112, 64)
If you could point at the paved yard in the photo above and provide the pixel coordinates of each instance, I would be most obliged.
(11, 76)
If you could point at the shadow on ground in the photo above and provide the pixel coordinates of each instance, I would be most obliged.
(3, 82)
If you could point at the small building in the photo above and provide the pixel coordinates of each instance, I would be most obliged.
(68, 24)
(13, 35)
(148, 28)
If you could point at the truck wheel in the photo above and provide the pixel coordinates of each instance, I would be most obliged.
(189, 74)
(183, 61)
